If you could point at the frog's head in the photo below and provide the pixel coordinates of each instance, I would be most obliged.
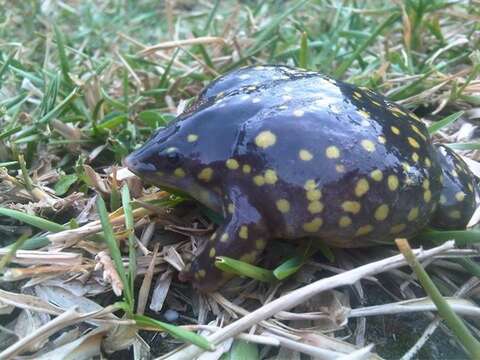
(173, 158)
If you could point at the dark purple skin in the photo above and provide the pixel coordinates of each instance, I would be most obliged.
(285, 153)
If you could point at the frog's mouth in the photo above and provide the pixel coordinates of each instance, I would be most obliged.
(186, 186)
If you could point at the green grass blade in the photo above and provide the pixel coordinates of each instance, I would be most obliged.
(348, 62)
(241, 268)
(164, 79)
(211, 16)
(303, 55)
(464, 146)
(33, 220)
(6, 64)
(114, 250)
(266, 33)
(26, 178)
(34, 243)
(175, 331)
(461, 237)
(5, 260)
(129, 226)
(64, 182)
(453, 321)
(56, 110)
(242, 350)
(64, 65)
(289, 267)
(470, 265)
(444, 122)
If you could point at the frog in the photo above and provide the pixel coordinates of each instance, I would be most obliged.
(286, 153)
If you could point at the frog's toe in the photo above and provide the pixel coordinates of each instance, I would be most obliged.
(205, 277)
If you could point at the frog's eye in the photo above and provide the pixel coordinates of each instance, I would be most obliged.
(172, 156)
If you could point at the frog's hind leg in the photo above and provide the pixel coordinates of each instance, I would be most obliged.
(457, 199)
(243, 237)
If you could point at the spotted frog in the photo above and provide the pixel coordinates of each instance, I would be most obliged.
(287, 153)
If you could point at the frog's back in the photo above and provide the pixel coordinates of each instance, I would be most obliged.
(332, 160)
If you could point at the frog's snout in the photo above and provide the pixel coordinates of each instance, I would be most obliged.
(136, 165)
(129, 162)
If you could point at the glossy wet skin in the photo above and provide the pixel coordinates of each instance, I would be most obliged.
(284, 153)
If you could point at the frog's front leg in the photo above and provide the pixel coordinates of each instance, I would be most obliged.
(243, 236)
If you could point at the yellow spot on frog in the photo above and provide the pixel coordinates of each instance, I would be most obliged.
(212, 252)
(243, 233)
(460, 196)
(417, 130)
(395, 130)
(201, 273)
(364, 230)
(414, 143)
(249, 258)
(192, 137)
(412, 214)
(344, 221)
(397, 228)
(305, 155)
(351, 206)
(232, 164)
(179, 172)
(363, 114)
(426, 184)
(381, 139)
(313, 226)
(357, 95)
(206, 174)
(340, 168)
(454, 173)
(270, 177)
(415, 157)
(213, 237)
(362, 187)
(224, 237)
(406, 167)
(455, 214)
(310, 185)
(397, 110)
(332, 152)
(315, 207)
(283, 205)
(231, 208)
(376, 175)
(314, 194)
(265, 139)
(427, 196)
(259, 180)
(368, 145)
(247, 169)
(392, 182)
(260, 244)
(382, 212)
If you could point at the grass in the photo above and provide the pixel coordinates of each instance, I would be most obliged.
(81, 87)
